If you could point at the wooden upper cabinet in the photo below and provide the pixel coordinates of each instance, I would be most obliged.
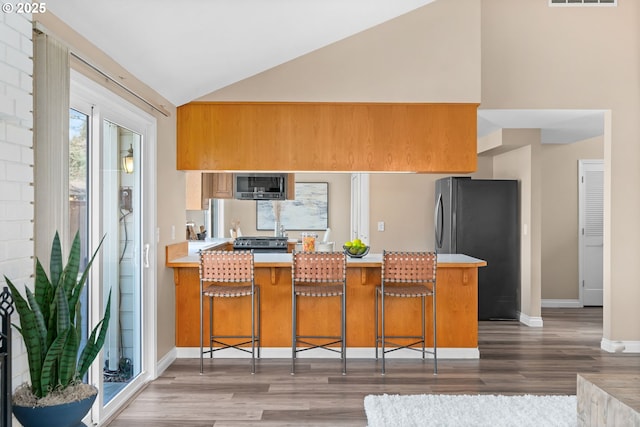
(291, 186)
(202, 186)
(340, 137)
(222, 186)
(198, 190)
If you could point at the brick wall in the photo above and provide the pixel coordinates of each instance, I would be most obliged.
(16, 164)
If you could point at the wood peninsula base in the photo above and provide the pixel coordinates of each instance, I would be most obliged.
(457, 309)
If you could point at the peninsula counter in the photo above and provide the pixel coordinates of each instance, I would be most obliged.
(457, 305)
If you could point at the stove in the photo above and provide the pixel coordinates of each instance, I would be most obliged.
(261, 244)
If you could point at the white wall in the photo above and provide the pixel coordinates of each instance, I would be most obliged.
(429, 55)
(16, 164)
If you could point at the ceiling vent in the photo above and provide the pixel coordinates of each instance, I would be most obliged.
(583, 2)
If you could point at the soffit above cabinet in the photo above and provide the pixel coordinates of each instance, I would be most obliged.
(333, 137)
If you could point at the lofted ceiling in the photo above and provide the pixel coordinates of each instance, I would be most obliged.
(189, 48)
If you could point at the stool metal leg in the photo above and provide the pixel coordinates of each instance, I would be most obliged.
(344, 335)
(253, 333)
(435, 341)
(422, 301)
(293, 332)
(375, 313)
(210, 327)
(201, 329)
(259, 332)
(382, 329)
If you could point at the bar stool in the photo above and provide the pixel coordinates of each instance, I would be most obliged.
(229, 275)
(407, 275)
(318, 274)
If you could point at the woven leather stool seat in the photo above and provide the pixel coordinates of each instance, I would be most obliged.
(221, 291)
(416, 291)
(319, 290)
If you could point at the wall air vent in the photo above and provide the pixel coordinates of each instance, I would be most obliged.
(583, 2)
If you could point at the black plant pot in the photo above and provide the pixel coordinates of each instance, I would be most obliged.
(65, 415)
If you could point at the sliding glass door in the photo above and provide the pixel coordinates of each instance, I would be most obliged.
(115, 201)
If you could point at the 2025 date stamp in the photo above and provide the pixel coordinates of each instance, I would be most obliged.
(22, 8)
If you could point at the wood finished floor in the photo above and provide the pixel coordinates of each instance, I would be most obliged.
(514, 359)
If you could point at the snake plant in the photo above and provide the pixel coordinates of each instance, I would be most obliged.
(50, 322)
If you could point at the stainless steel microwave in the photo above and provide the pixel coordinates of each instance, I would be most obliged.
(260, 186)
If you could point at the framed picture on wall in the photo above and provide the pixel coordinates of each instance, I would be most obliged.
(309, 210)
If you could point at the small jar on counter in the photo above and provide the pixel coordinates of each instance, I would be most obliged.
(309, 242)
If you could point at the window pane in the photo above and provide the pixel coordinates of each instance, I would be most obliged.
(121, 267)
(79, 198)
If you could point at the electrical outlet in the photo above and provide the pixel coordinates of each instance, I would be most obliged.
(380, 225)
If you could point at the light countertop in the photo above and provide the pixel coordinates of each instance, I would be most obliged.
(284, 259)
(197, 245)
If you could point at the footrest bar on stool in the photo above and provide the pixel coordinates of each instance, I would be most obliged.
(313, 346)
(226, 346)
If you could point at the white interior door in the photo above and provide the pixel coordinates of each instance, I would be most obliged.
(591, 199)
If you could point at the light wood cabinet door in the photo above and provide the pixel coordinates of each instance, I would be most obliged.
(291, 186)
(199, 190)
(222, 186)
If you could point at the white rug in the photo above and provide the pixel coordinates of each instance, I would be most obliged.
(470, 410)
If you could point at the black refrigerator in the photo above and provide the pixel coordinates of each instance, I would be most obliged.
(479, 218)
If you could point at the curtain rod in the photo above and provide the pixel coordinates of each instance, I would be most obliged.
(108, 77)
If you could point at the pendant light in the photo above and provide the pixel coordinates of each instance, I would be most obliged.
(127, 161)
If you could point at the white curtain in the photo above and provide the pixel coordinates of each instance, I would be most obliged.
(51, 141)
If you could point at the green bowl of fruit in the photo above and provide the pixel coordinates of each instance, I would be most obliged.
(355, 248)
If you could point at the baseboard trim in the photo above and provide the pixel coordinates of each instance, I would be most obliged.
(534, 322)
(166, 361)
(352, 353)
(620, 346)
(561, 303)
